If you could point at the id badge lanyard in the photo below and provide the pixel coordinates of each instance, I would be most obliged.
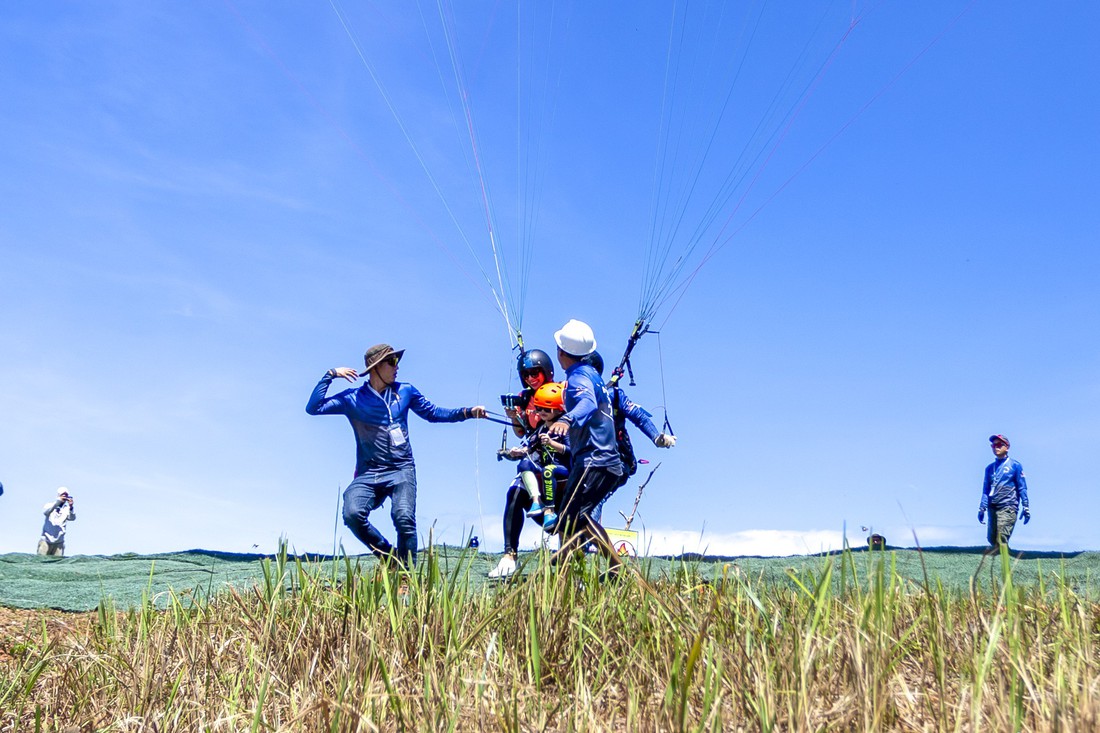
(397, 437)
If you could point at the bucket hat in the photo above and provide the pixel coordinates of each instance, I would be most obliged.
(377, 353)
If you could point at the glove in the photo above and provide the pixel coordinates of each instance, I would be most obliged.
(1027, 515)
(664, 440)
(981, 516)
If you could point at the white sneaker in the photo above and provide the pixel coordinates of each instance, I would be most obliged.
(504, 568)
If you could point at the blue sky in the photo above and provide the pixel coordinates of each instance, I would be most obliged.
(206, 205)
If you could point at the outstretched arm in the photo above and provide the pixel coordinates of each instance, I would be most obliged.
(643, 420)
(641, 417)
(423, 407)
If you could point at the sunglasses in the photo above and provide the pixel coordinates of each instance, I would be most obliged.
(391, 360)
(528, 373)
(545, 409)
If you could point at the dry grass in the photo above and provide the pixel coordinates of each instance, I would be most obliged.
(851, 647)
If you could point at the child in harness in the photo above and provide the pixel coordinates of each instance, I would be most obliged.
(543, 466)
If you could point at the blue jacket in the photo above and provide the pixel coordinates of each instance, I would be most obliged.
(627, 409)
(371, 415)
(1004, 484)
(591, 425)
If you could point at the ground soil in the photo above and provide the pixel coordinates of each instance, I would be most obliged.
(18, 625)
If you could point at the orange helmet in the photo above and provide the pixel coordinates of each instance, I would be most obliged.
(550, 396)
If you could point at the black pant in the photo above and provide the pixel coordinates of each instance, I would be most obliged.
(516, 505)
(584, 491)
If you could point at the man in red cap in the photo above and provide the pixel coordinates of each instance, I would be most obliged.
(378, 412)
(1003, 491)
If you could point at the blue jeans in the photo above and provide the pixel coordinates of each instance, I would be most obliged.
(366, 493)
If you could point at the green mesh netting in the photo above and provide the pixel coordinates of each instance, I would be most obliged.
(79, 583)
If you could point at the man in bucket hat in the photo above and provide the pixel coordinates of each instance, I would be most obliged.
(594, 453)
(1004, 489)
(378, 412)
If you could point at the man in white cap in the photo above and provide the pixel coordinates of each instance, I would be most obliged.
(596, 466)
(58, 512)
(378, 412)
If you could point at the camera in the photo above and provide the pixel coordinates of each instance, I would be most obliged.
(511, 400)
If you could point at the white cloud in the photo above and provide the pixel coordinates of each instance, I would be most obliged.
(748, 542)
(767, 542)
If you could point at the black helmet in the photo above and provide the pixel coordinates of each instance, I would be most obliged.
(535, 359)
(595, 361)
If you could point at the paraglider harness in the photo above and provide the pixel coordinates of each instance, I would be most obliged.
(622, 437)
(552, 466)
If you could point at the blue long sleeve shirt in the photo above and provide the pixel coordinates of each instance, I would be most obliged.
(591, 425)
(635, 413)
(1004, 484)
(380, 421)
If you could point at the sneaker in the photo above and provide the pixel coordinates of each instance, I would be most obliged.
(549, 521)
(505, 568)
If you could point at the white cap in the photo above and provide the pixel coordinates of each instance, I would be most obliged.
(62, 490)
(576, 338)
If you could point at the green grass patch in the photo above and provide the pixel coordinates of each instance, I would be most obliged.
(854, 641)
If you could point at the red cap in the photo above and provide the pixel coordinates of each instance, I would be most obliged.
(1000, 439)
